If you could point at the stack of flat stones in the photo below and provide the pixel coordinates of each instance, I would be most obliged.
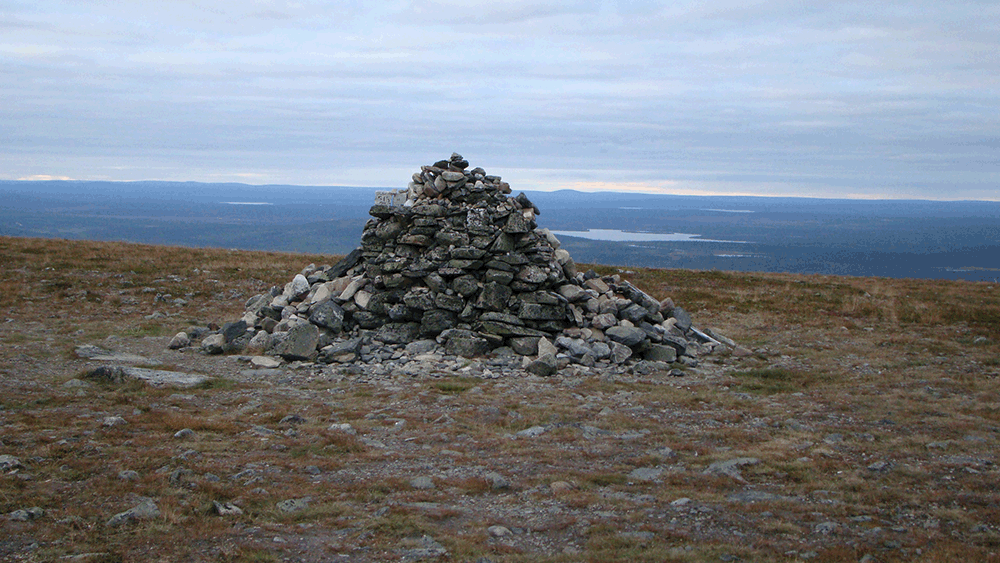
(454, 262)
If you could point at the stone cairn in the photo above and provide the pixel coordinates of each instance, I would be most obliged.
(453, 261)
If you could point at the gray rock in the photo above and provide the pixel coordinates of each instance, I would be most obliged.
(262, 340)
(541, 312)
(328, 315)
(343, 351)
(293, 504)
(77, 384)
(545, 346)
(421, 299)
(153, 377)
(499, 277)
(128, 475)
(422, 483)
(420, 347)
(532, 432)
(880, 466)
(499, 531)
(27, 514)
(297, 288)
(645, 474)
(213, 344)
(184, 434)
(494, 296)
(826, 528)
(660, 353)
(96, 353)
(675, 342)
(550, 238)
(577, 348)
(620, 353)
(145, 510)
(573, 293)
(256, 303)
(525, 345)
(629, 336)
(293, 419)
(180, 340)
(340, 268)
(265, 362)
(666, 305)
(436, 321)
(466, 285)
(232, 331)
(398, 333)
(466, 344)
(423, 548)
(517, 224)
(545, 366)
(731, 467)
(532, 274)
(447, 302)
(226, 508)
(597, 284)
(683, 319)
(634, 313)
(602, 351)
(604, 321)
(506, 318)
(496, 481)
(299, 344)
(9, 462)
(663, 453)
(112, 421)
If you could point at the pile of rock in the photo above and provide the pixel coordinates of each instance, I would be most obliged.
(454, 260)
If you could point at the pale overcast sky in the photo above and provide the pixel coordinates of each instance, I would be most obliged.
(815, 98)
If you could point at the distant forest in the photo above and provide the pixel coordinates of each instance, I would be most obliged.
(920, 239)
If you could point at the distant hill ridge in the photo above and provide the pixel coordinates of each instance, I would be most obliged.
(891, 238)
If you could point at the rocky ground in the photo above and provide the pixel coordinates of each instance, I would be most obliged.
(863, 427)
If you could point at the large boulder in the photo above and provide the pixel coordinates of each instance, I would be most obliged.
(299, 344)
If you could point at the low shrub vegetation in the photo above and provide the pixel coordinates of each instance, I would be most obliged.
(860, 422)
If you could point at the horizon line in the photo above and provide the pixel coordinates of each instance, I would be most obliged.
(632, 190)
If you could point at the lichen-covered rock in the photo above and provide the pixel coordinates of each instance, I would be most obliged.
(328, 315)
(466, 344)
(545, 366)
(299, 343)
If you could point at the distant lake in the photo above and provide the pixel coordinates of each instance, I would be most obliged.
(615, 235)
(246, 203)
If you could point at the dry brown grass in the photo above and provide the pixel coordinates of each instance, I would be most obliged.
(845, 373)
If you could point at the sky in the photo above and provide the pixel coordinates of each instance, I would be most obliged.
(778, 98)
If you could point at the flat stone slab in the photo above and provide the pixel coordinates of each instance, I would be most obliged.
(163, 378)
(154, 377)
(91, 352)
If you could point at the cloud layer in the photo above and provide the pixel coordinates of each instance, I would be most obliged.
(771, 97)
